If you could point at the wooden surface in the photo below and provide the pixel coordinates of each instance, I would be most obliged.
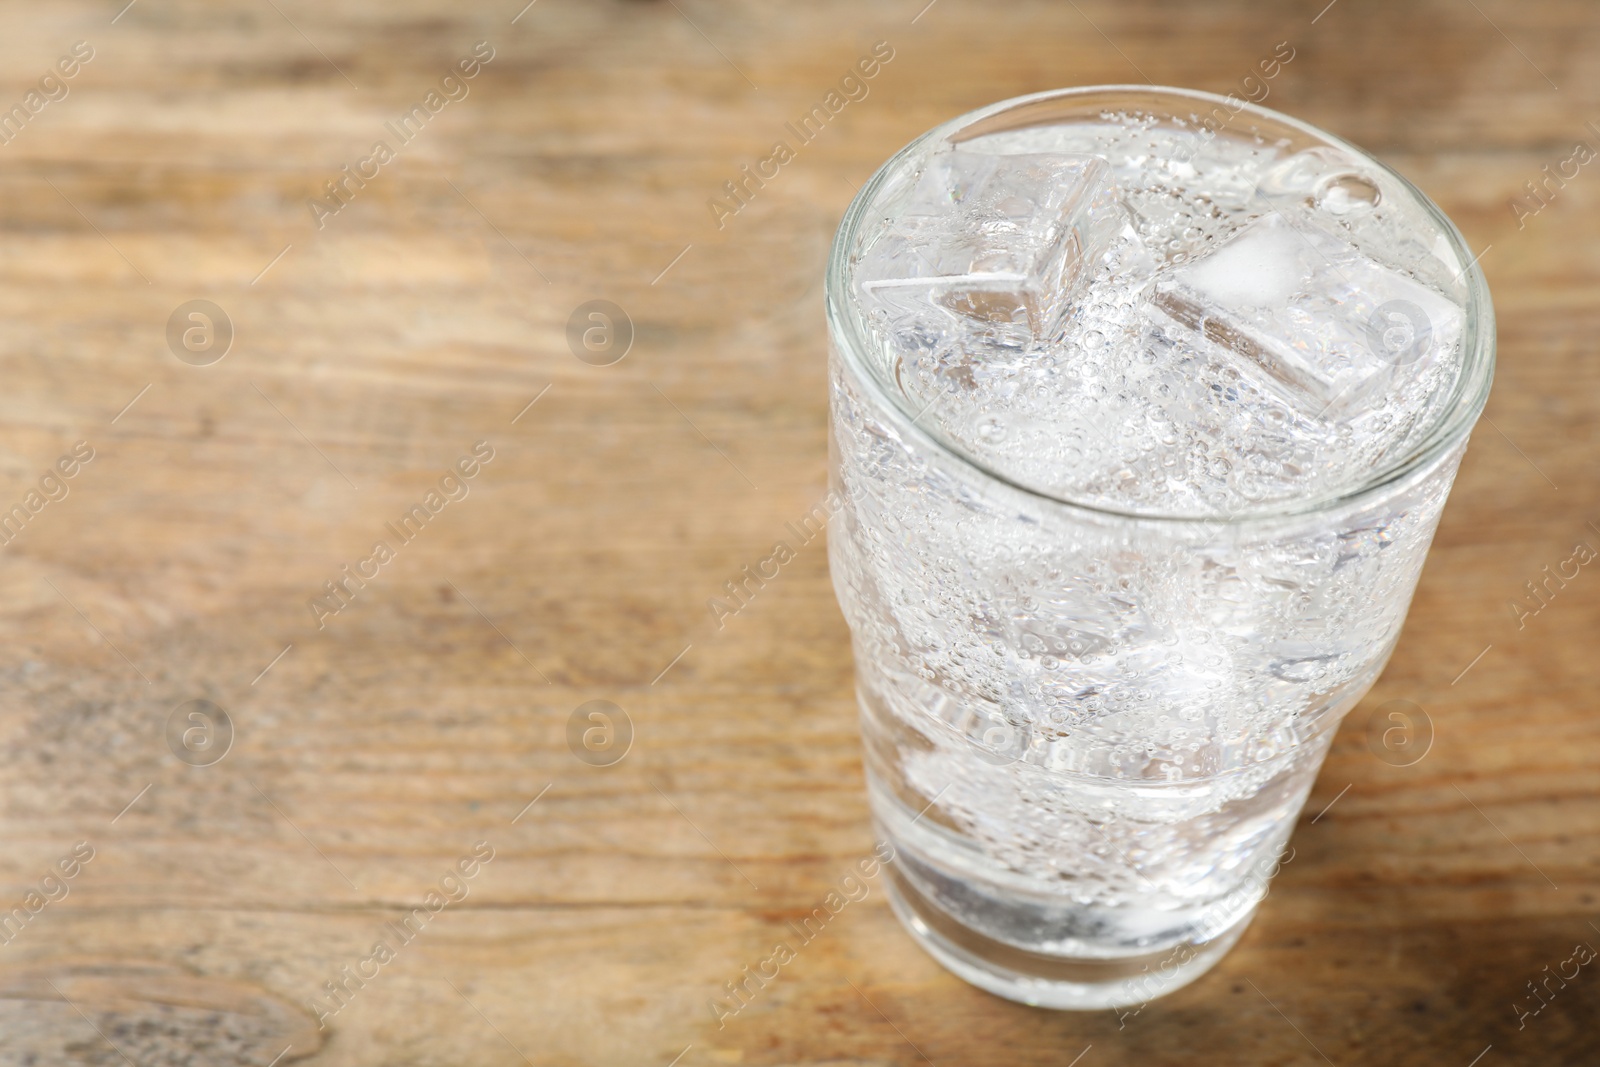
(423, 718)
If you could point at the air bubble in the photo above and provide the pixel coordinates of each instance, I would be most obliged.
(1346, 194)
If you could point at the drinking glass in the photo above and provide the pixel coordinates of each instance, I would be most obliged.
(1088, 731)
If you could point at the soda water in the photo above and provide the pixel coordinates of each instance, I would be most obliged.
(1143, 429)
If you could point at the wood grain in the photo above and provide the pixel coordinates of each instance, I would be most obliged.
(423, 718)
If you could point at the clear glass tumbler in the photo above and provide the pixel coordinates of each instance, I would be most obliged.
(1089, 733)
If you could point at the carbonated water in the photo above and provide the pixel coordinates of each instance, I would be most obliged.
(1133, 517)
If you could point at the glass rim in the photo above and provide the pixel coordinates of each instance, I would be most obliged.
(1468, 396)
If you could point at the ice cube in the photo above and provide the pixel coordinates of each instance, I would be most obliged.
(996, 243)
(1306, 314)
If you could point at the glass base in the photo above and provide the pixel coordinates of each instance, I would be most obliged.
(1047, 981)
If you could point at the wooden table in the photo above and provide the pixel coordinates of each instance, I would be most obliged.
(378, 737)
